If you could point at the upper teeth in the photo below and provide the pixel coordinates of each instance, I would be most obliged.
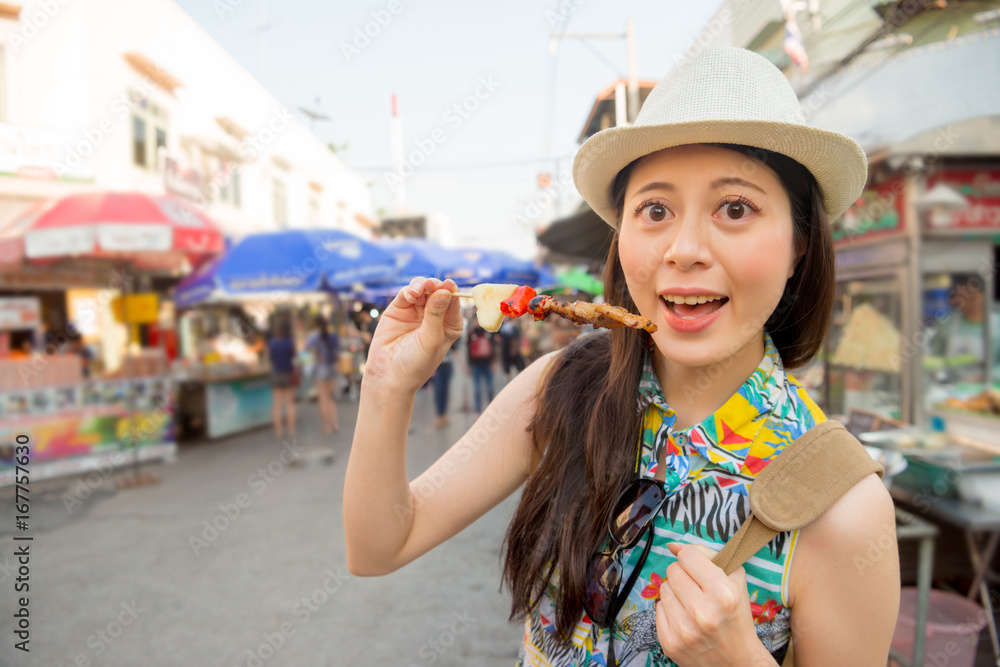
(691, 300)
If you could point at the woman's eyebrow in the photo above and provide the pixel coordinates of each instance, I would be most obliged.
(657, 185)
(735, 180)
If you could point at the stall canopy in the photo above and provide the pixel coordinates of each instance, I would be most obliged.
(294, 260)
(155, 232)
(582, 235)
(581, 281)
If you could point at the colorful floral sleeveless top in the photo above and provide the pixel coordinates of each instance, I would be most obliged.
(709, 469)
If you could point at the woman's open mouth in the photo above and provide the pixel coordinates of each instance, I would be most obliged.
(689, 314)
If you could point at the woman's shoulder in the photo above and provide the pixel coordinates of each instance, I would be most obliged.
(861, 524)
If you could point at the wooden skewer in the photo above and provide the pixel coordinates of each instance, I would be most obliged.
(464, 295)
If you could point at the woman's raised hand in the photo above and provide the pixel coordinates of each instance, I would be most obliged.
(413, 335)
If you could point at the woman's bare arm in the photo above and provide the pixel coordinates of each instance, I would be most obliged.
(389, 521)
(844, 587)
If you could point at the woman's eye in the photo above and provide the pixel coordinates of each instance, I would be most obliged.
(736, 211)
(656, 212)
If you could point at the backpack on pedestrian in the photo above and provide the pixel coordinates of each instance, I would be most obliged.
(481, 347)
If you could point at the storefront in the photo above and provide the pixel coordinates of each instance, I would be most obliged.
(915, 328)
(222, 372)
(85, 405)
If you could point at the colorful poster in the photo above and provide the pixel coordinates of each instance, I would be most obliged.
(879, 212)
(88, 419)
(86, 432)
(981, 189)
(237, 405)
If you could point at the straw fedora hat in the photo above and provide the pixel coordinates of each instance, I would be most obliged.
(723, 95)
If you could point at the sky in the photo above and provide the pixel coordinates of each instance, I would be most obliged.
(520, 109)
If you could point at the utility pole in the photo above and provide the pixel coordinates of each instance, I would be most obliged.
(633, 81)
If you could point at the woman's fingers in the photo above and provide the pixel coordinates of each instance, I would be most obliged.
(696, 560)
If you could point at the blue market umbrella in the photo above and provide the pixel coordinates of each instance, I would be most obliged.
(546, 278)
(497, 266)
(419, 257)
(294, 260)
(199, 286)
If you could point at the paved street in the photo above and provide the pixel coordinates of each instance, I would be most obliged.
(117, 581)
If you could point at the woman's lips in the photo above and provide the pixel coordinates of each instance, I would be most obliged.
(691, 318)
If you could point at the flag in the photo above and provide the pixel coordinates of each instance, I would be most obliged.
(794, 46)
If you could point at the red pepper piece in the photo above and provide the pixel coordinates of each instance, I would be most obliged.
(517, 304)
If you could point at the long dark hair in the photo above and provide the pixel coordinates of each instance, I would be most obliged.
(587, 425)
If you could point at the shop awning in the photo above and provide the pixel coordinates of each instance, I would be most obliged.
(146, 231)
(581, 235)
(293, 260)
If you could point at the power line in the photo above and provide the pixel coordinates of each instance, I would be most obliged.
(471, 165)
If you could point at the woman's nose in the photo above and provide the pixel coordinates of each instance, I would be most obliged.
(689, 244)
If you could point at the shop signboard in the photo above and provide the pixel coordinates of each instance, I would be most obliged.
(981, 188)
(45, 153)
(139, 308)
(237, 405)
(185, 183)
(19, 313)
(878, 213)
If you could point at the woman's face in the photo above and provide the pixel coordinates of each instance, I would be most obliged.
(706, 246)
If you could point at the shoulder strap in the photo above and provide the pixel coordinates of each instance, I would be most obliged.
(797, 486)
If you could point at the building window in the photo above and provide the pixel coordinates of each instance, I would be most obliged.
(3, 84)
(223, 179)
(234, 183)
(161, 140)
(139, 142)
(280, 204)
(149, 134)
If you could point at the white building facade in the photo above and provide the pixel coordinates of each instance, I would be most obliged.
(133, 95)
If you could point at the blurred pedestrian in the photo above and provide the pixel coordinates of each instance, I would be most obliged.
(481, 356)
(324, 346)
(441, 382)
(78, 347)
(281, 352)
(510, 348)
(367, 329)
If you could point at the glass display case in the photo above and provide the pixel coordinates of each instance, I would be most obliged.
(866, 360)
(960, 367)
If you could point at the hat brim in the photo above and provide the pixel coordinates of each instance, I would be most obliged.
(835, 160)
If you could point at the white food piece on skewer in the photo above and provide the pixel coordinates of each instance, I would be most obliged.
(487, 298)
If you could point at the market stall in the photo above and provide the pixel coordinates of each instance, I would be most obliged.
(913, 355)
(89, 382)
(915, 328)
(230, 304)
(80, 415)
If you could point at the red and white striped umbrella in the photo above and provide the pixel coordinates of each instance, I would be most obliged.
(150, 231)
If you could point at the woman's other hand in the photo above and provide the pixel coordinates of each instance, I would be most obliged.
(413, 335)
(703, 617)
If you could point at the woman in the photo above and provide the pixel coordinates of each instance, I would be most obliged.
(441, 382)
(281, 352)
(719, 196)
(324, 346)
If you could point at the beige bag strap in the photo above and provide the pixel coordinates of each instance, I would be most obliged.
(797, 486)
